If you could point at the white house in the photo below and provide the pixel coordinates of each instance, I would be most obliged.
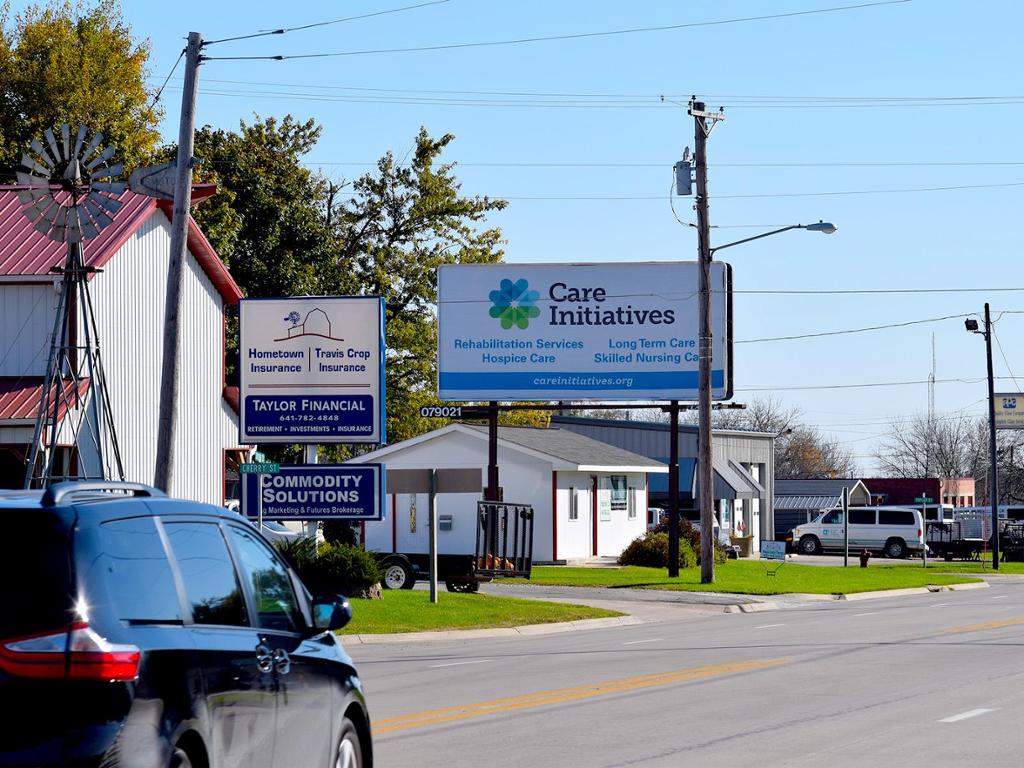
(589, 498)
(128, 296)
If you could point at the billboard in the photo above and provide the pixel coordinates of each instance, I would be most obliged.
(1009, 410)
(311, 370)
(316, 492)
(616, 331)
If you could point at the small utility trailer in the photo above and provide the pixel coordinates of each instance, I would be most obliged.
(952, 540)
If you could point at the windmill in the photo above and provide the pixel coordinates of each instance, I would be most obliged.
(70, 195)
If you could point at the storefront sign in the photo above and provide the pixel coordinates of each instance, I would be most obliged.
(1009, 409)
(579, 331)
(316, 492)
(311, 370)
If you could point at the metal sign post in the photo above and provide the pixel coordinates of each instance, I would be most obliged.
(432, 534)
(846, 527)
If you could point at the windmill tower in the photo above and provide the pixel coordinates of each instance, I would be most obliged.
(70, 196)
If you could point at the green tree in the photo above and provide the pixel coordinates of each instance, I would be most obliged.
(401, 224)
(74, 63)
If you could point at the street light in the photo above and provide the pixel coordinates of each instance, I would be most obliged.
(972, 327)
(705, 480)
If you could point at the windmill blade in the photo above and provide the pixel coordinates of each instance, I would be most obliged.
(111, 204)
(40, 209)
(115, 188)
(74, 229)
(42, 152)
(58, 226)
(48, 135)
(106, 173)
(98, 214)
(32, 165)
(94, 142)
(103, 156)
(78, 141)
(65, 135)
(29, 196)
(89, 230)
(35, 182)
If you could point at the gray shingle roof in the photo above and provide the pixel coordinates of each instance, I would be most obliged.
(571, 447)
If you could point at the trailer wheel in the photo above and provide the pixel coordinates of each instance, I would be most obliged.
(398, 574)
(466, 587)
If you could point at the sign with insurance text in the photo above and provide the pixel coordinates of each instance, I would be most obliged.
(311, 370)
(615, 331)
(316, 492)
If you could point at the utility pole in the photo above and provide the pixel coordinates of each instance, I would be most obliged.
(170, 374)
(704, 123)
(994, 487)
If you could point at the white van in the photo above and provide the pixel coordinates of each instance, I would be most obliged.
(894, 531)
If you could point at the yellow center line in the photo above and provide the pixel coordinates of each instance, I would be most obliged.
(986, 625)
(542, 698)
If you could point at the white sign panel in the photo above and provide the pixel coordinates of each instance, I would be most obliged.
(1009, 410)
(311, 370)
(579, 331)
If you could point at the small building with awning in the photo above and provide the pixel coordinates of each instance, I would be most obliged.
(800, 501)
(743, 463)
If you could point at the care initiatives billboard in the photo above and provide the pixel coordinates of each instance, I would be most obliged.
(619, 331)
(316, 492)
(311, 370)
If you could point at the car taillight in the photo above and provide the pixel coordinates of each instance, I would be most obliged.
(919, 533)
(79, 653)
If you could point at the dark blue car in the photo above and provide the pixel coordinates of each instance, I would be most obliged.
(140, 630)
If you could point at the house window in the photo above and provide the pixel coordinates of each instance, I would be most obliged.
(619, 492)
(631, 497)
(574, 505)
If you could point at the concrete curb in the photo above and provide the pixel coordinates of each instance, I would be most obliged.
(911, 591)
(475, 634)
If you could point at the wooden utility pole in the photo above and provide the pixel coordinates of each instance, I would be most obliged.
(170, 373)
(704, 123)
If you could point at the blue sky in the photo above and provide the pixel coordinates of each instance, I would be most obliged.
(621, 143)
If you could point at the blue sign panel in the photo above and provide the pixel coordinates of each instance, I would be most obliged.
(299, 416)
(316, 492)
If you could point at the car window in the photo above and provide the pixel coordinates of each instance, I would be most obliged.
(36, 573)
(862, 517)
(276, 606)
(211, 585)
(273, 526)
(138, 575)
(835, 517)
(895, 517)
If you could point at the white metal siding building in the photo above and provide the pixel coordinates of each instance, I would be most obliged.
(129, 297)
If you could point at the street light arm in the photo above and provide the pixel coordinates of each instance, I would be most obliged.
(757, 237)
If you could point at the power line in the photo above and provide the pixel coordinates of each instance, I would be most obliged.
(871, 385)
(574, 36)
(160, 90)
(853, 330)
(1003, 354)
(266, 32)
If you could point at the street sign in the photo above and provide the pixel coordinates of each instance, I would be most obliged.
(924, 499)
(455, 412)
(259, 468)
(259, 456)
(1009, 410)
(316, 492)
(311, 370)
(618, 331)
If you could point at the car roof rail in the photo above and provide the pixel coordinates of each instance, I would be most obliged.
(66, 491)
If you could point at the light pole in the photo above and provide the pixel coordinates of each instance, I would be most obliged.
(704, 453)
(972, 326)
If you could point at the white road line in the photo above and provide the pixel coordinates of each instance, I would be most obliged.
(872, 613)
(939, 605)
(637, 642)
(459, 663)
(999, 597)
(768, 626)
(966, 715)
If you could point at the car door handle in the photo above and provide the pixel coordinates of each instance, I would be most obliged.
(282, 662)
(264, 659)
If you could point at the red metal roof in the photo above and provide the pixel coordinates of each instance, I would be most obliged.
(19, 396)
(26, 252)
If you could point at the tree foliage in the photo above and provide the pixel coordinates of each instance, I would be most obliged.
(73, 63)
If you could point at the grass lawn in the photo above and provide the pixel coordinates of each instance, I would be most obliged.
(973, 566)
(411, 611)
(751, 578)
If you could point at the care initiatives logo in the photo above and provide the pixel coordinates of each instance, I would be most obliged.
(513, 303)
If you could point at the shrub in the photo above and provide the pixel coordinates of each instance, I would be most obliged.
(335, 568)
(339, 532)
(688, 533)
(651, 550)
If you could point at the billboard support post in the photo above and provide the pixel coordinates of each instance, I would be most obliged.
(673, 491)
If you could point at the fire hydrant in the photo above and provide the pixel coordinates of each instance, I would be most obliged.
(864, 557)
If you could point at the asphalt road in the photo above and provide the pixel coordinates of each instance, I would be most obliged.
(932, 680)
